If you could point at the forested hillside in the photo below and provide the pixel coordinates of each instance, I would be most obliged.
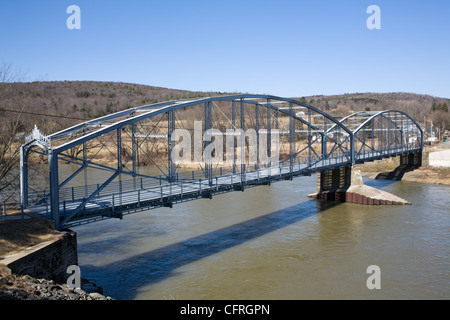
(69, 102)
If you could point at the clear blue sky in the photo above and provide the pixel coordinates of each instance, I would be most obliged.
(285, 48)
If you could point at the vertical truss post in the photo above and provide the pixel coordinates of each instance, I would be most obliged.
(395, 132)
(352, 149)
(407, 135)
(269, 134)
(54, 187)
(23, 176)
(386, 131)
(364, 142)
(324, 139)
(119, 150)
(386, 134)
(242, 142)
(276, 120)
(133, 153)
(309, 138)
(378, 135)
(401, 132)
(208, 138)
(398, 133)
(233, 123)
(170, 145)
(119, 159)
(257, 135)
(134, 147)
(291, 138)
(372, 136)
(421, 139)
(85, 163)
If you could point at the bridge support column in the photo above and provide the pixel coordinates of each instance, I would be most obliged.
(346, 185)
(411, 159)
(408, 162)
(332, 184)
(54, 187)
(23, 177)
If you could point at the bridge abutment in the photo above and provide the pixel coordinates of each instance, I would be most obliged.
(408, 162)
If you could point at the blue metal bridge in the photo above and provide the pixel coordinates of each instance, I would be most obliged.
(165, 153)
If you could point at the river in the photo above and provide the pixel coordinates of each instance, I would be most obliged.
(275, 243)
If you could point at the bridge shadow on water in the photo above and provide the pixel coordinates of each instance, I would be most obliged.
(121, 279)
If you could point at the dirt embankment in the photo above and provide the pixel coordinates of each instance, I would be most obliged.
(17, 235)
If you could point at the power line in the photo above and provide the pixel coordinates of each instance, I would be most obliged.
(43, 114)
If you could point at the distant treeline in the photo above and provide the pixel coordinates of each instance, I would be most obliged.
(74, 101)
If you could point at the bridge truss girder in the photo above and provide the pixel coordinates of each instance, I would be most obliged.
(127, 142)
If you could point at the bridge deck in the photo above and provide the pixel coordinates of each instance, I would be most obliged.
(114, 205)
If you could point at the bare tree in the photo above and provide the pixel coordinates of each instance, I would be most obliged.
(9, 145)
(441, 120)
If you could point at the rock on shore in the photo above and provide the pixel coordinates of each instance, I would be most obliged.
(25, 287)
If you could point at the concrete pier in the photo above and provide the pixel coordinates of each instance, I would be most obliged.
(346, 185)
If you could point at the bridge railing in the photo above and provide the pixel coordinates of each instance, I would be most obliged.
(141, 182)
(11, 210)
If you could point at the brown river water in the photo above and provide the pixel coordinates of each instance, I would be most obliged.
(275, 243)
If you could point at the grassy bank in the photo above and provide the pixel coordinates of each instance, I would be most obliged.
(17, 235)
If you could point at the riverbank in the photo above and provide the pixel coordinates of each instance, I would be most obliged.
(25, 287)
(18, 238)
(424, 174)
(14, 286)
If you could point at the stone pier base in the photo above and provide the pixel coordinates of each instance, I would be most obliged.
(351, 188)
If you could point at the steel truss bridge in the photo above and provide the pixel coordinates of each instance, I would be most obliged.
(229, 143)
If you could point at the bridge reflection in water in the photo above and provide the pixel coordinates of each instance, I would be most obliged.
(290, 139)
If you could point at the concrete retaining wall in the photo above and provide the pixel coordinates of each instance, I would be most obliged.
(47, 260)
(439, 159)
